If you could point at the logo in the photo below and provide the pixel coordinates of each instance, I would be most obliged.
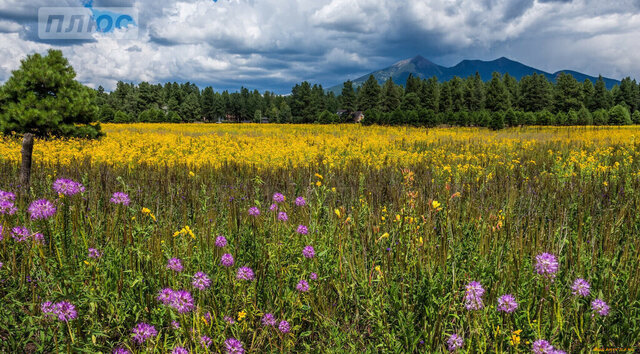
(77, 23)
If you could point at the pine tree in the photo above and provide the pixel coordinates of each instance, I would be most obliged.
(474, 93)
(414, 85)
(348, 97)
(456, 91)
(497, 94)
(567, 93)
(42, 98)
(391, 96)
(534, 93)
(208, 103)
(588, 92)
(430, 94)
(369, 94)
(601, 96)
(301, 103)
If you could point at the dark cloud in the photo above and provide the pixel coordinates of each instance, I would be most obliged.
(273, 44)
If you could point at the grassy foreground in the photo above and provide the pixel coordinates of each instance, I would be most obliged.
(416, 235)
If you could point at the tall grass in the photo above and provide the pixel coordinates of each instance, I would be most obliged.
(395, 247)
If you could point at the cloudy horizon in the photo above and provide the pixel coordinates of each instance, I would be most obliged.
(274, 44)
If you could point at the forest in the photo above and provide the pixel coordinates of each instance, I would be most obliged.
(502, 101)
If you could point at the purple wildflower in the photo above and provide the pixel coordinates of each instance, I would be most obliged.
(183, 302)
(65, 311)
(300, 201)
(600, 307)
(282, 216)
(7, 196)
(179, 350)
(94, 253)
(547, 265)
(284, 327)
(302, 286)
(302, 230)
(229, 319)
(245, 273)
(273, 207)
(7, 207)
(201, 281)
(221, 241)
(120, 198)
(507, 303)
(41, 209)
(48, 309)
(180, 300)
(313, 276)
(67, 187)
(473, 296)
(175, 264)
(541, 346)
(1, 264)
(206, 341)
(38, 238)
(233, 346)
(308, 252)
(254, 211)
(278, 197)
(121, 351)
(454, 342)
(268, 319)
(143, 331)
(226, 260)
(20, 233)
(175, 324)
(165, 296)
(581, 287)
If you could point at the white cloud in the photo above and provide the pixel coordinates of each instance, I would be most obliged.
(276, 43)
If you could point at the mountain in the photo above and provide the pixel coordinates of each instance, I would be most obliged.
(424, 68)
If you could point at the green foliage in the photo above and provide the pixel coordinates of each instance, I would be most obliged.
(42, 97)
(327, 117)
(584, 117)
(600, 117)
(121, 117)
(619, 115)
(391, 96)
(567, 94)
(369, 94)
(497, 94)
(348, 97)
(497, 121)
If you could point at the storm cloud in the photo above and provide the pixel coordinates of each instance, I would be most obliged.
(273, 44)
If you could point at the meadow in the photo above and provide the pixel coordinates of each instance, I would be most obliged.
(305, 238)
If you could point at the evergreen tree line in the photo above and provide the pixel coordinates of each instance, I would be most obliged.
(468, 102)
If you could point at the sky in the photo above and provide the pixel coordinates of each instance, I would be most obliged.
(274, 44)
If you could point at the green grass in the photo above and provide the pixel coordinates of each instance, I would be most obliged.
(411, 303)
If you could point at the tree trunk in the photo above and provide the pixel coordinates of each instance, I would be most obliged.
(25, 169)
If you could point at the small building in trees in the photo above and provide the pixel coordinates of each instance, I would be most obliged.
(358, 116)
(346, 116)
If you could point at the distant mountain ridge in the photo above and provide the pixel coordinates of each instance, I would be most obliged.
(424, 68)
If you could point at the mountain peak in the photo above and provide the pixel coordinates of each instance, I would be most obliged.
(421, 67)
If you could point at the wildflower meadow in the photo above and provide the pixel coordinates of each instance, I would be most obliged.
(207, 238)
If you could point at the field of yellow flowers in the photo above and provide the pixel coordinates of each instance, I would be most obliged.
(198, 238)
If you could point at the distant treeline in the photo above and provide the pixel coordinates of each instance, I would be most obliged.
(501, 101)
